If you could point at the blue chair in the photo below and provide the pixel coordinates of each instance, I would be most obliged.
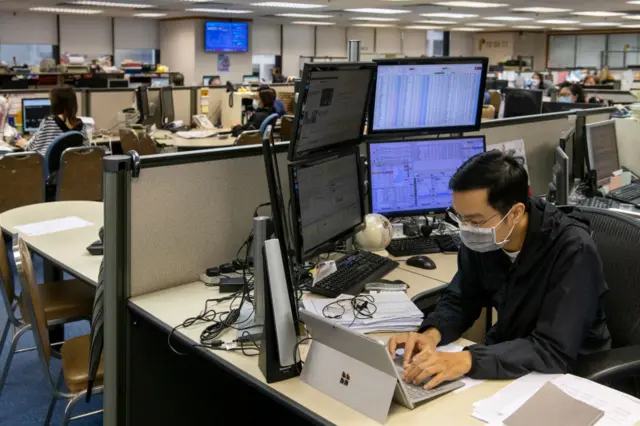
(72, 139)
(269, 120)
(278, 107)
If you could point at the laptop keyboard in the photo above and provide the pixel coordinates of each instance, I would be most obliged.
(417, 393)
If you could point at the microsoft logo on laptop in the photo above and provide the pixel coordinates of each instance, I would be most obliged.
(344, 380)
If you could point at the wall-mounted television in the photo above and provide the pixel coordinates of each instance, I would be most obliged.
(226, 36)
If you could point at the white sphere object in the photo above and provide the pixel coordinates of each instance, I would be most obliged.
(376, 235)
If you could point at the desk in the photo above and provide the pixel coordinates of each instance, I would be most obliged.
(446, 267)
(166, 138)
(204, 371)
(65, 249)
(5, 147)
(232, 115)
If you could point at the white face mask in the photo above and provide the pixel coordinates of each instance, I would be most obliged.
(535, 84)
(256, 105)
(482, 240)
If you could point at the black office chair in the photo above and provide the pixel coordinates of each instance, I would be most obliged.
(72, 139)
(618, 239)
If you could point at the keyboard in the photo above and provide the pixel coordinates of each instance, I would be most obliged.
(600, 203)
(448, 243)
(413, 246)
(354, 271)
(417, 393)
(626, 194)
(198, 134)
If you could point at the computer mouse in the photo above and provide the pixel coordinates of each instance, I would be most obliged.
(422, 262)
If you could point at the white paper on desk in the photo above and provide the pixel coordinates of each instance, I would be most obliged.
(54, 225)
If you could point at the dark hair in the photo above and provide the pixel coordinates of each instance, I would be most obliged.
(267, 96)
(64, 103)
(177, 79)
(539, 76)
(576, 90)
(502, 174)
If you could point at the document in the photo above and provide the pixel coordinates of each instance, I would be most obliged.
(51, 226)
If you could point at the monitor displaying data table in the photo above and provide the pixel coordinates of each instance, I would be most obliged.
(412, 177)
(428, 95)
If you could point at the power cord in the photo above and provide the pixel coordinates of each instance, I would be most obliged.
(362, 305)
(296, 352)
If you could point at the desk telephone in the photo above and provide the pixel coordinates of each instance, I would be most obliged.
(202, 122)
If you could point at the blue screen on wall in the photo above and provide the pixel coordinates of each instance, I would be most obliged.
(226, 36)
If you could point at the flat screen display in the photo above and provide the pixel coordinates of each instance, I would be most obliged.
(226, 36)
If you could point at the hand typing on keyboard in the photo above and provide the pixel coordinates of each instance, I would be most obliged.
(440, 366)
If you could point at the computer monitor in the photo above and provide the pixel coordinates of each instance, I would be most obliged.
(427, 96)
(567, 143)
(550, 107)
(166, 105)
(34, 110)
(599, 87)
(497, 84)
(248, 79)
(331, 108)
(142, 102)
(408, 178)
(327, 203)
(117, 83)
(92, 83)
(160, 82)
(561, 177)
(602, 150)
(521, 102)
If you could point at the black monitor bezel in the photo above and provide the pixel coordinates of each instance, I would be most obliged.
(539, 99)
(404, 213)
(163, 107)
(576, 105)
(421, 131)
(295, 204)
(334, 147)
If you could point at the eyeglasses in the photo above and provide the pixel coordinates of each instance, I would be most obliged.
(460, 221)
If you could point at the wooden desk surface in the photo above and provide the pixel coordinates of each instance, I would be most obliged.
(164, 137)
(172, 306)
(66, 249)
(446, 267)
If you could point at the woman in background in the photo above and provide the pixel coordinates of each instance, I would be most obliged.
(571, 93)
(263, 107)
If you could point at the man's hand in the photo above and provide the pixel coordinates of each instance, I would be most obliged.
(414, 343)
(440, 366)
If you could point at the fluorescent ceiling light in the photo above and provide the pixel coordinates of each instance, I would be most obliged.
(72, 10)
(557, 21)
(313, 23)
(378, 10)
(222, 11)
(487, 24)
(600, 24)
(465, 29)
(541, 9)
(374, 25)
(507, 18)
(630, 26)
(599, 14)
(474, 4)
(304, 15)
(449, 15)
(149, 15)
(421, 27)
(634, 17)
(634, 2)
(112, 4)
(430, 21)
(565, 29)
(287, 5)
(529, 27)
(373, 18)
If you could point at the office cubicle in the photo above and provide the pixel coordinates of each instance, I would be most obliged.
(15, 98)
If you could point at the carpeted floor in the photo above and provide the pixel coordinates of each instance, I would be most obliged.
(25, 397)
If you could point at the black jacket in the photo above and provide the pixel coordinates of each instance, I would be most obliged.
(254, 122)
(549, 301)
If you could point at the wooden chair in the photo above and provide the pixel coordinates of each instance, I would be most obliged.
(80, 175)
(488, 112)
(251, 137)
(146, 145)
(128, 140)
(22, 177)
(286, 127)
(495, 99)
(62, 302)
(74, 353)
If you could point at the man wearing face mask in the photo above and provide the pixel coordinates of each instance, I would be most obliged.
(538, 267)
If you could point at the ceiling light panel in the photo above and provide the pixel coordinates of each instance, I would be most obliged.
(112, 4)
(304, 15)
(449, 15)
(472, 4)
(70, 10)
(374, 25)
(288, 5)
(507, 18)
(630, 26)
(465, 29)
(529, 27)
(378, 11)
(599, 14)
(557, 21)
(541, 9)
(600, 24)
(149, 15)
(435, 22)
(374, 18)
(422, 27)
(487, 25)
(221, 11)
(313, 23)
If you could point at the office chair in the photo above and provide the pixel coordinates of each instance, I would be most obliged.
(54, 152)
(250, 137)
(269, 120)
(22, 177)
(618, 241)
(128, 140)
(286, 127)
(80, 174)
(495, 99)
(488, 112)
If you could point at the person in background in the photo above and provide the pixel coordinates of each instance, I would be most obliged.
(571, 93)
(63, 118)
(263, 106)
(589, 81)
(537, 81)
(177, 80)
(276, 76)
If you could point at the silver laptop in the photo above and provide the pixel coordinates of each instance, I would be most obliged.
(358, 370)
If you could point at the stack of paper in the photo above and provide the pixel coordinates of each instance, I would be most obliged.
(619, 408)
(394, 311)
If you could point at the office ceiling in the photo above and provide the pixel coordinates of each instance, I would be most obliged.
(565, 15)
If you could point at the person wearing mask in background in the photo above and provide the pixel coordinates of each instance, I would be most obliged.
(589, 81)
(63, 118)
(571, 93)
(539, 82)
(536, 265)
(263, 106)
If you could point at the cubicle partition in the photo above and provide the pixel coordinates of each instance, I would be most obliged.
(105, 104)
(168, 217)
(15, 98)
